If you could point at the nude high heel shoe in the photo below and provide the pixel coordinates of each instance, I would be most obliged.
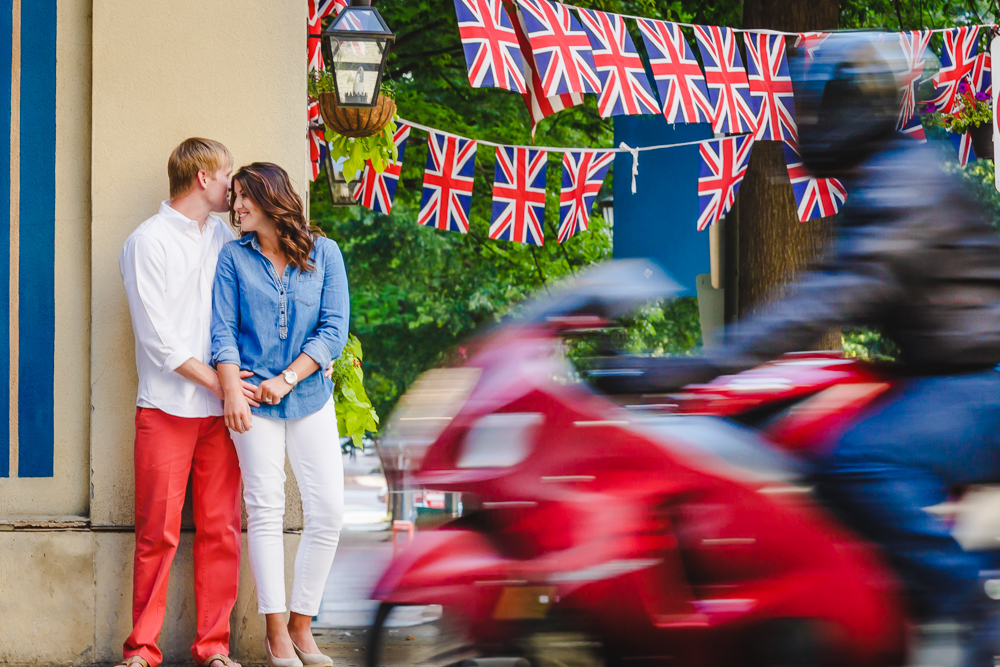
(313, 659)
(281, 662)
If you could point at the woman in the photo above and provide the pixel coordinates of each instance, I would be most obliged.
(281, 310)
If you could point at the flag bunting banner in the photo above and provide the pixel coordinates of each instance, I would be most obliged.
(678, 76)
(582, 176)
(448, 179)
(492, 53)
(376, 190)
(624, 87)
(814, 197)
(723, 165)
(561, 48)
(519, 195)
(729, 91)
(958, 57)
(771, 84)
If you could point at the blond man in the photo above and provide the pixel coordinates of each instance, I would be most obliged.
(168, 265)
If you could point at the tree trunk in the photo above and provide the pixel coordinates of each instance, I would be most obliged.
(772, 246)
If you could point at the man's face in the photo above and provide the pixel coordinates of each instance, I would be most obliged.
(217, 188)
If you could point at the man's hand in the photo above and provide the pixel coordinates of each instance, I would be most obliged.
(207, 377)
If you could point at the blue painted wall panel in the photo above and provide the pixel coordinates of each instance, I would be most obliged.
(660, 220)
(36, 314)
(6, 28)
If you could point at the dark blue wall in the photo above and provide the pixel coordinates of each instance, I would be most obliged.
(660, 219)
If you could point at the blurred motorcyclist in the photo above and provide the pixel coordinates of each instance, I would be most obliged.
(915, 258)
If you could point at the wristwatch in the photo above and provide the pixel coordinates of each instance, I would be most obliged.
(291, 377)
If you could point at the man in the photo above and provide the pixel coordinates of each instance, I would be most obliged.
(168, 265)
(915, 258)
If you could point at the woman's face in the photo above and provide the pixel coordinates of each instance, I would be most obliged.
(251, 218)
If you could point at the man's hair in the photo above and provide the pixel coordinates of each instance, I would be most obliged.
(192, 156)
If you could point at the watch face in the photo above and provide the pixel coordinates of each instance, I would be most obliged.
(291, 377)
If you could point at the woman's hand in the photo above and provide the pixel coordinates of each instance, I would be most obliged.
(236, 412)
(272, 391)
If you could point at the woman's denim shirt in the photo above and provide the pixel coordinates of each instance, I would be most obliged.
(262, 322)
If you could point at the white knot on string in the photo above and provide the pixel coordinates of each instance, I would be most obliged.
(635, 161)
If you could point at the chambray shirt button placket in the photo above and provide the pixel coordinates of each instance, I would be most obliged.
(283, 306)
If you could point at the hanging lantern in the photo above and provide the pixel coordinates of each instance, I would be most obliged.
(356, 46)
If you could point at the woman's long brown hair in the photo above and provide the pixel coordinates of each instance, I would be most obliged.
(268, 186)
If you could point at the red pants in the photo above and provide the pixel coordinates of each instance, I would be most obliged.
(167, 450)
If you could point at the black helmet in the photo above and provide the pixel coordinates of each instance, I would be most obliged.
(846, 102)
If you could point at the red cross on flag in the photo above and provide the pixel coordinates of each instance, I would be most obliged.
(677, 74)
(624, 87)
(561, 48)
(958, 57)
(582, 175)
(376, 190)
(815, 197)
(982, 74)
(519, 195)
(767, 73)
(492, 54)
(913, 45)
(729, 91)
(448, 179)
(723, 165)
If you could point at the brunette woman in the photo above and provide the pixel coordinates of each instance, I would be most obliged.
(281, 310)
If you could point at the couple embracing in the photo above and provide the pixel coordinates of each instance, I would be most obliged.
(232, 336)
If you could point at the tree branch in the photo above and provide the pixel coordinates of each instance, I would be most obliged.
(534, 256)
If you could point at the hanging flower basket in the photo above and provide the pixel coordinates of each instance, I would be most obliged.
(351, 122)
(982, 140)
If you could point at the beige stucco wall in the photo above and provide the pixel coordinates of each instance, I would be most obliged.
(232, 70)
(133, 80)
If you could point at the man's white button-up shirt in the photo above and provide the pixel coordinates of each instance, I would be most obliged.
(168, 265)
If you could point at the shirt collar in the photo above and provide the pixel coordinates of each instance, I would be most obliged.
(181, 222)
(249, 239)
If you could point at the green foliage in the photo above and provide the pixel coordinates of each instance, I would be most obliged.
(355, 414)
(869, 344)
(379, 148)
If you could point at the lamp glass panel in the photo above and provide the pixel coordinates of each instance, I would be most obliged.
(356, 64)
(357, 19)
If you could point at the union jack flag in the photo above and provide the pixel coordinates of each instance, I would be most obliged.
(963, 144)
(767, 73)
(539, 105)
(957, 61)
(809, 42)
(729, 91)
(317, 140)
(677, 74)
(582, 175)
(982, 75)
(561, 48)
(448, 182)
(914, 129)
(624, 87)
(519, 195)
(723, 165)
(376, 190)
(318, 10)
(815, 197)
(913, 44)
(492, 54)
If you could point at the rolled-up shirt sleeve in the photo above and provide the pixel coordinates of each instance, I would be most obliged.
(328, 339)
(143, 265)
(225, 310)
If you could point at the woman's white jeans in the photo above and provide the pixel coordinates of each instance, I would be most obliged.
(313, 449)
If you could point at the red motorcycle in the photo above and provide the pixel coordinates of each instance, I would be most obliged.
(644, 530)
